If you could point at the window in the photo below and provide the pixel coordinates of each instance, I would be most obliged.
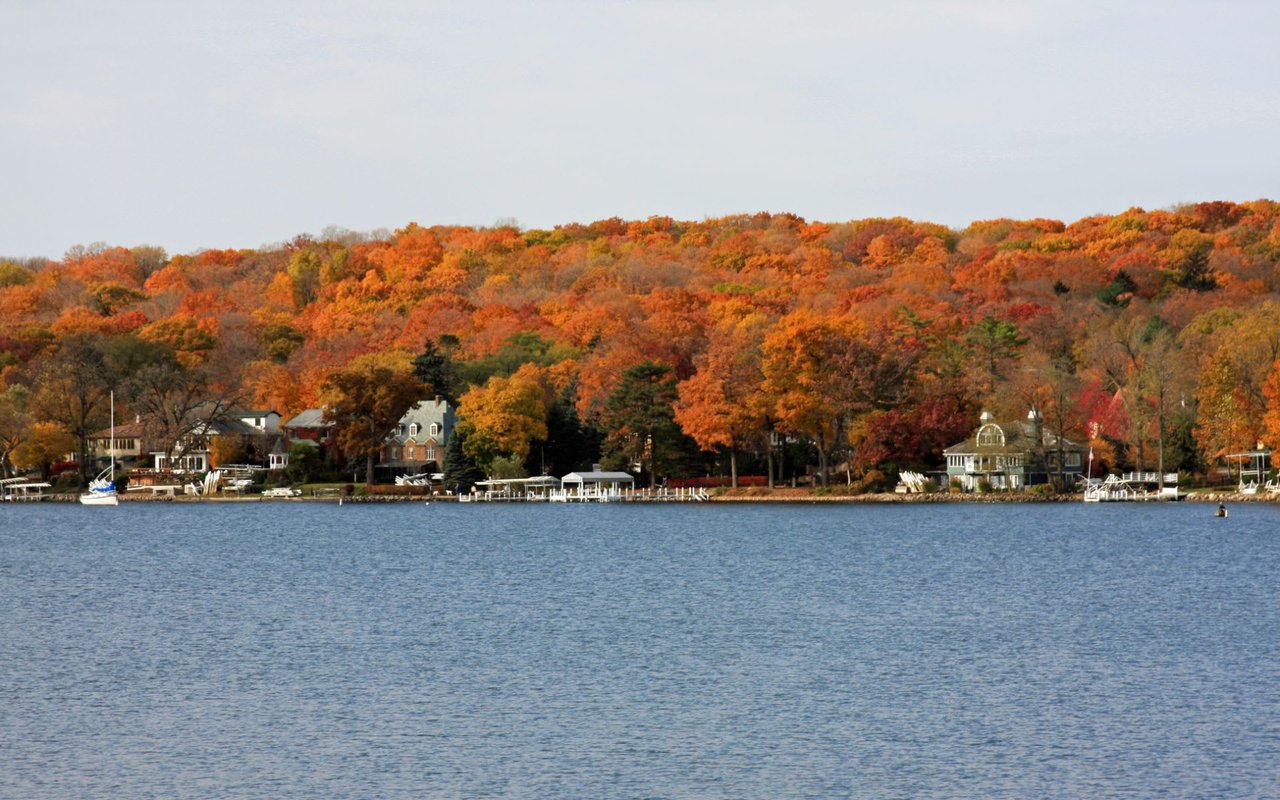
(408, 453)
(1073, 459)
(431, 454)
(435, 429)
(394, 453)
(413, 429)
(990, 435)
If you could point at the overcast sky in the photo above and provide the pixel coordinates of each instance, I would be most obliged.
(230, 124)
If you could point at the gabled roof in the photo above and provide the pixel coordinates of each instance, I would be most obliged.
(131, 430)
(223, 427)
(308, 418)
(1019, 437)
(423, 414)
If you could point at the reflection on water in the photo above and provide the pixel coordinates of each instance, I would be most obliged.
(693, 651)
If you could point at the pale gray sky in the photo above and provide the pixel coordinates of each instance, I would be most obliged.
(233, 124)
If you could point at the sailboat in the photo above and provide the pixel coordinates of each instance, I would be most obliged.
(102, 489)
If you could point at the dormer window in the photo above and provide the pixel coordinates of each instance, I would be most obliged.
(435, 429)
(413, 429)
(990, 435)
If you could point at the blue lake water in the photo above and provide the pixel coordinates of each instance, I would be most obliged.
(397, 651)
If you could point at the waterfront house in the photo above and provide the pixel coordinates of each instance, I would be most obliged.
(1012, 455)
(417, 443)
(191, 453)
(130, 441)
(308, 425)
(263, 421)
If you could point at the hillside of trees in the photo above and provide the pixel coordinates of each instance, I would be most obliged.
(761, 344)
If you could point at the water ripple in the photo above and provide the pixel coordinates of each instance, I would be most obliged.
(701, 651)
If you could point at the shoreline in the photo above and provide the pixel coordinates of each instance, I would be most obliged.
(791, 497)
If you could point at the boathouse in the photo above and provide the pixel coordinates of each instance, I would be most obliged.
(594, 486)
(528, 489)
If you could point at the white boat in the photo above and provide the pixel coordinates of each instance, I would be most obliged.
(102, 489)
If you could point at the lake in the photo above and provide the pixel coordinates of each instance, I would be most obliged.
(548, 651)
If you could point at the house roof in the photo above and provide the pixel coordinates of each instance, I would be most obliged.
(131, 430)
(222, 427)
(423, 414)
(254, 412)
(308, 418)
(1019, 437)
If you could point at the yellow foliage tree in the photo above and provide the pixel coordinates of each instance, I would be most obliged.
(803, 373)
(502, 418)
(48, 442)
(718, 405)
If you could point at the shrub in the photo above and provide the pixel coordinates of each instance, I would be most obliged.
(984, 486)
(875, 481)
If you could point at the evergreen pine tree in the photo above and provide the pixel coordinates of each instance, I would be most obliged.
(435, 368)
(460, 470)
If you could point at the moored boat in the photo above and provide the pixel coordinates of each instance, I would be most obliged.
(102, 489)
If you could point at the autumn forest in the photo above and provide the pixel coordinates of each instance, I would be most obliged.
(762, 345)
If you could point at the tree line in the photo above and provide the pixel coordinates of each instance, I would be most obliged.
(763, 344)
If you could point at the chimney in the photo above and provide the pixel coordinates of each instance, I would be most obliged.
(595, 468)
(437, 399)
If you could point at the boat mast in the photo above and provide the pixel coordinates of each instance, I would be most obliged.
(112, 449)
